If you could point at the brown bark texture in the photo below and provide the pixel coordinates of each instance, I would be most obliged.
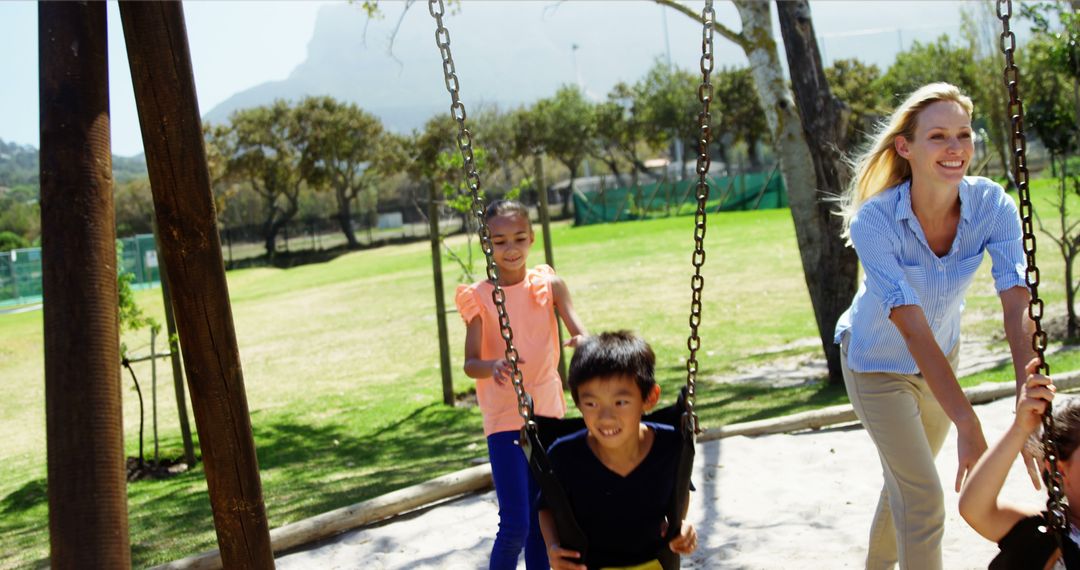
(830, 267)
(190, 247)
(87, 487)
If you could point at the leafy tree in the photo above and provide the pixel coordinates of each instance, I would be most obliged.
(1053, 113)
(621, 133)
(494, 131)
(20, 216)
(741, 118)
(829, 268)
(134, 205)
(437, 164)
(669, 106)
(343, 143)
(10, 241)
(565, 125)
(262, 148)
(854, 83)
(926, 63)
(982, 30)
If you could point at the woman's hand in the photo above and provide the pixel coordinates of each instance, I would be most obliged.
(686, 542)
(970, 445)
(562, 559)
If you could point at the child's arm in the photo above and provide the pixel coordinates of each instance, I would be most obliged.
(979, 502)
(476, 367)
(557, 556)
(686, 542)
(566, 311)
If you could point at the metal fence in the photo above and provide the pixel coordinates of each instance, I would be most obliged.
(746, 191)
(20, 269)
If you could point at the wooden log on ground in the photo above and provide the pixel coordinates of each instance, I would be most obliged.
(844, 413)
(340, 520)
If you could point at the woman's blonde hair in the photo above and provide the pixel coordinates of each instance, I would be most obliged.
(880, 167)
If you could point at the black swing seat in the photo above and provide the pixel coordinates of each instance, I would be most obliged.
(537, 436)
(1030, 543)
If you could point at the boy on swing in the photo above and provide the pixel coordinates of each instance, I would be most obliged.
(619, 472)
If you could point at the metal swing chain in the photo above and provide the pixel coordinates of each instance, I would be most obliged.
(472, 180)
(697, 282)
(1053, 479)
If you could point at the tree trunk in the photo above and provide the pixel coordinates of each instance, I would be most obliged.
(568, 192)
(830, 269)
(345, 217)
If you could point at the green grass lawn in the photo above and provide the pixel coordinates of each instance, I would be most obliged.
(341, 360)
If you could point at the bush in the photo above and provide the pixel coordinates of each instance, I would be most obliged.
(12, 240)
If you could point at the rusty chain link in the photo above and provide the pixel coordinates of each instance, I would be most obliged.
(1053, 479)
(697, 282)
(472, 180)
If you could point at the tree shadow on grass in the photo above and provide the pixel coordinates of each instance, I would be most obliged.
(30, 495)
(306, 470)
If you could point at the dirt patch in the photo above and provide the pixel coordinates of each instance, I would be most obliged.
(161, 469)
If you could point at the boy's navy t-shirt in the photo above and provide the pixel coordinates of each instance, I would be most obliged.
(621, 516)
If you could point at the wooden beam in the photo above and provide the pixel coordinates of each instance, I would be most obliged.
(844, 413)
(88, 523)
(440, 300)
(190, 248)
(328, 524)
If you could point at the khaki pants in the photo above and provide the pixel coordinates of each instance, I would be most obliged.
(908, 426)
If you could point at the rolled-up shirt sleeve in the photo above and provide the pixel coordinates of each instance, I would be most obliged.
(1006, 247)
(875, 239)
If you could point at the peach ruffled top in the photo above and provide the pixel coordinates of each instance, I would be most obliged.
(530, 306)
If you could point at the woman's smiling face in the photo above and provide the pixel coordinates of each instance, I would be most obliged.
(942, 146)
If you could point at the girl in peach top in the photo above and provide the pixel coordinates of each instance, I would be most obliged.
(532, 297)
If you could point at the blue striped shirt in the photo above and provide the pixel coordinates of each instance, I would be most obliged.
(900, 269)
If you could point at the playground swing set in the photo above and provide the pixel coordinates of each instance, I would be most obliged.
(87, 494)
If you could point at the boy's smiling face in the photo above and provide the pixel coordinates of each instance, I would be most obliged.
(612, 408)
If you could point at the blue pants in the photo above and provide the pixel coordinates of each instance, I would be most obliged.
(516, 490)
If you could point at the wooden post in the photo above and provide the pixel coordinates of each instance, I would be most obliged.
(153, 391)
(549, 257)
(440, 301)
(174, 358)
(191, 248)
(88, 522)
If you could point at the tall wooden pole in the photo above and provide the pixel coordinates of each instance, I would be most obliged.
(549, 256)
(440, 302)
(190, 247)
(174, 359)
(88, 522)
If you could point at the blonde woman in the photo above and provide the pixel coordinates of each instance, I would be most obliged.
(921, 228)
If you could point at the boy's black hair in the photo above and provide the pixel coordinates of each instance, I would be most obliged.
(608, 354)
(505, 208)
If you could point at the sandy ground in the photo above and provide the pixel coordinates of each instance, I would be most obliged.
(780, 501)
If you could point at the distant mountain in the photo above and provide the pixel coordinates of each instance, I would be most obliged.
(20, 166)
(506, 54)
(340, 65)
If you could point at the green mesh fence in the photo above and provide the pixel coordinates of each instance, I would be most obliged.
(20, 269)
(751, 191)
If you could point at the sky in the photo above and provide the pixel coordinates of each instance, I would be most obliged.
(237, 45)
